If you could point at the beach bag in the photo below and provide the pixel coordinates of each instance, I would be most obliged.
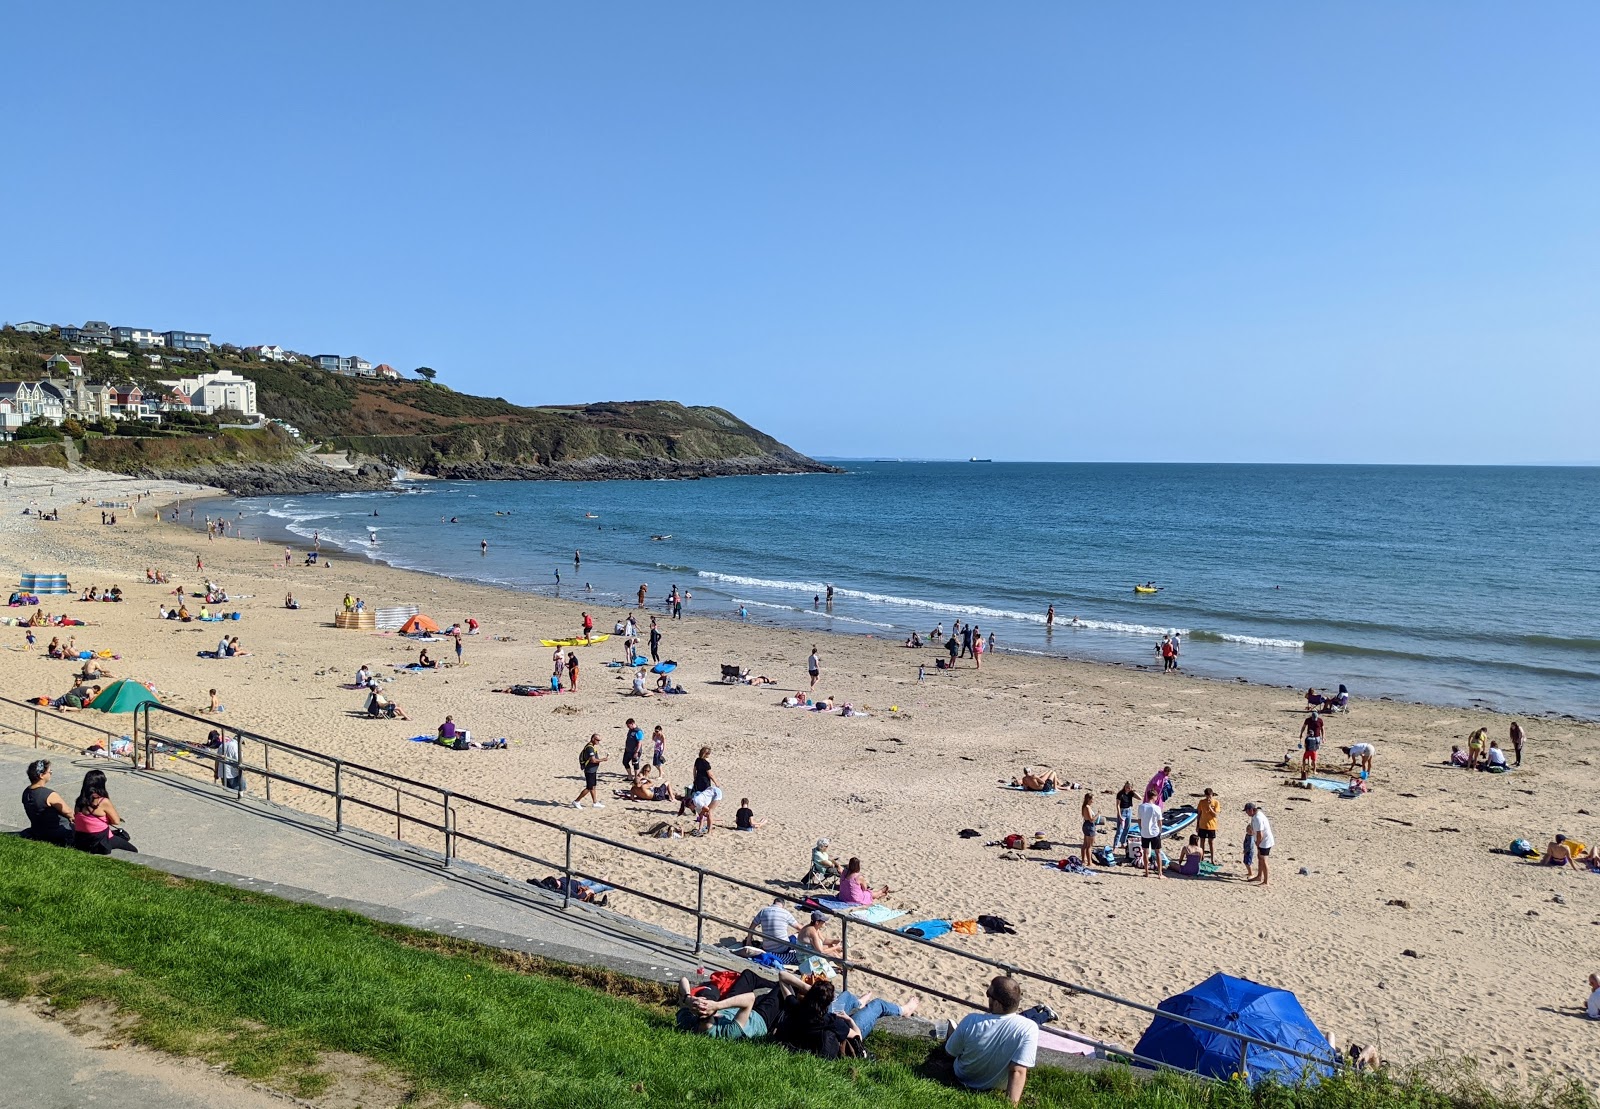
(722, 981)
(1522, 848)
(1014, 842)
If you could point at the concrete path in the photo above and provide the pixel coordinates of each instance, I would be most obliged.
(196, 830)
(46, 1066)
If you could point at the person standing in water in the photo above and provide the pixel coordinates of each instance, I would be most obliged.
(577, 560)
(1050, 619)
(483, 546)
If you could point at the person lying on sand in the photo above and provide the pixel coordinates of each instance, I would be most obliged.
(1557, 853)
(1047, 782)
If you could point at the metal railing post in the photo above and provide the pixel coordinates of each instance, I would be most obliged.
(449, 838)
(1244, 1060)
(35, 729)
(266, 767)
(844, 952)
(699, 909)
(338, 796)
(397, 833)
(566, 886)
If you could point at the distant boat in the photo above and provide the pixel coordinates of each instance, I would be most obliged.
(980, 460)
(659, 538)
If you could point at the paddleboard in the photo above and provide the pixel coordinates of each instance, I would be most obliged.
(577, 642)
(1174, 821)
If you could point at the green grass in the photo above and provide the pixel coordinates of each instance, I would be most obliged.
(265, 987)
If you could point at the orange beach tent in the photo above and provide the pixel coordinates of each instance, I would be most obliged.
(419, 625)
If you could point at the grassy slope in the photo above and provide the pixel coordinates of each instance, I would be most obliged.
(264, 986)
(231, 445)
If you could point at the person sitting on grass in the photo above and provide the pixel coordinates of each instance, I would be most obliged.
(96, 825)
(1048, 782)
(746, 1010)
(995, 1049)
(49, 819)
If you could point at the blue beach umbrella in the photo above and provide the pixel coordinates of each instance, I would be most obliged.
(1262, 1012)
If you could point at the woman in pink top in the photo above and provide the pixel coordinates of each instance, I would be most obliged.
(853, 888)
(95, 820)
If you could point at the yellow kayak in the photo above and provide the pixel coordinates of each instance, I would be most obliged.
(576, 641)
(1147, 589)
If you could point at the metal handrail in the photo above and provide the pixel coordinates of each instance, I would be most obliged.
(451, 803)
(38, 711)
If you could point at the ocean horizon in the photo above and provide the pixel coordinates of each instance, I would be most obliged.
(1453, 585)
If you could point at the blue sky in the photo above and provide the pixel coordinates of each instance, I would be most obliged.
(1255, 232)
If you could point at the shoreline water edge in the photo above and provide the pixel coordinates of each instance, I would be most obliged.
(1396, 642)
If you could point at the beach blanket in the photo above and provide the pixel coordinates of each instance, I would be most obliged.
(872, 914)
(423, 738)
(1020, 789)
(927, 929)
(1069, 865)
(1055, 1042)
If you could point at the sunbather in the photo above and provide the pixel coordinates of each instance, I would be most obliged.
(1557, 853)
(1037, 783)
(380, 705)
(810, 938)
(747, 1010)
(1188, 863)
(854, 887)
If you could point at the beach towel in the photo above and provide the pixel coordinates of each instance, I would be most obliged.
(872, 914)
(1055, 1042)
(927, 929)
(423, 738)
(1069, 865)
(1020, 789)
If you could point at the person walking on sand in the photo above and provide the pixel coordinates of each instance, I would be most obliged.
(589, 760)
(1518, 737)
(1311, 730)
(572, 671)
(632, 737)
(966, 640)
(1209, 808)
(1261, 830)
(655, 641)
(814, 666)
(977, 648)
(1150, 817)
(588, 627)
(658, 753)
(458, 649)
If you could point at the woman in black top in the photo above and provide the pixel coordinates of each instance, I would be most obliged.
(1125, 800)
(806, 1024)
(49, 819)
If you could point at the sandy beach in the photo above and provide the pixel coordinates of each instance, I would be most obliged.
(1390, 915)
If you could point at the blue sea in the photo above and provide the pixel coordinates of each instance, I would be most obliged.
(1449, 585)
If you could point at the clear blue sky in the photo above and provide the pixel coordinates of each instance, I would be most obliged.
(1354, 232)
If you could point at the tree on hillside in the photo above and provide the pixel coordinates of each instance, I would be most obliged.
(427, 373)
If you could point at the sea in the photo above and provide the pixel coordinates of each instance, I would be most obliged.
(1461, 586)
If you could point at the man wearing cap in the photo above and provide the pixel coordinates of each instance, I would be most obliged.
(810, 937)
(49, 818)
(996, 1048)
(1261, 832)
(822, 867)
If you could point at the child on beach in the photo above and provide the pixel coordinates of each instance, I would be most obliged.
(658, 757)
(1249, 852)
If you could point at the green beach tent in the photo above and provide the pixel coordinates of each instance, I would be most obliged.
(124, 695)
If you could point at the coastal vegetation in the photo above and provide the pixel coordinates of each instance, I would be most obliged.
(277, 992)
(420, 424)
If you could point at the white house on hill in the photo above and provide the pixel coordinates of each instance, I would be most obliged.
(213, 392)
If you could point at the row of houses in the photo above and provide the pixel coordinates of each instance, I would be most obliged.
(98, 333)
(52, 400)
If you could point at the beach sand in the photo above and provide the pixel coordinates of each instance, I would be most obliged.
(1408, 928)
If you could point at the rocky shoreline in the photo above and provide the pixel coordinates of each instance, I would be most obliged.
(630, 469)
(260, 479)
